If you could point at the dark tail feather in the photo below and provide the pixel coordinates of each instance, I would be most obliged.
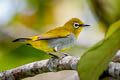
(20, 39)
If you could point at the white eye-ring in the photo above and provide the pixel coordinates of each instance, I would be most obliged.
(76, 25)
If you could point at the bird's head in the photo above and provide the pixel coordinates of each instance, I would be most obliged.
(75, 26)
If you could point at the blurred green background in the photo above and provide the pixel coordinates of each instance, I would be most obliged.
(26, 18)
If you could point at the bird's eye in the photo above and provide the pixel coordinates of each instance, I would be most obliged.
(76, 25)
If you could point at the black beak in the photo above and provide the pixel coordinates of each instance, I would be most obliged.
(84, 25)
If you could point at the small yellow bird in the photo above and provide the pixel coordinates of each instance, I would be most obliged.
(57, 40)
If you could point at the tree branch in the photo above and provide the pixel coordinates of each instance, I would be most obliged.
(53, 64)
(114, 66)
(34, 68)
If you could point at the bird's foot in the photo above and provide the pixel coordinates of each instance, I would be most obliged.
(52, 63)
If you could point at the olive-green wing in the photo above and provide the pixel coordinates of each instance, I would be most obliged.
(59, 32)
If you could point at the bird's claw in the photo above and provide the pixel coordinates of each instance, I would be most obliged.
(52, 63)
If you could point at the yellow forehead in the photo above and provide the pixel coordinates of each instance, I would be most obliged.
(74, 20)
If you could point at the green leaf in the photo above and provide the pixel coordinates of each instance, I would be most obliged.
(96, 59)
(113, 28)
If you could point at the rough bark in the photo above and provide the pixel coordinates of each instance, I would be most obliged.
(34, 68)
(54, 64)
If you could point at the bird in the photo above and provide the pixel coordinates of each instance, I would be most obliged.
(58, 39)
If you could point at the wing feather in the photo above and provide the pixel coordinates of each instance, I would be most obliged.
(59, 32)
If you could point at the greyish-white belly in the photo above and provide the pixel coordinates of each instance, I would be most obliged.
(62, 43)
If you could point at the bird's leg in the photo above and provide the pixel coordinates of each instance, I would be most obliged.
(54, 56)
(55, 49)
